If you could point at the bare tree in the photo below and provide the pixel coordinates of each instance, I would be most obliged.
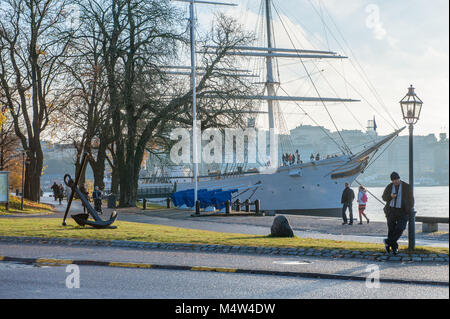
(32, 45)
(138, 38)
(88, 113)
(8, 143)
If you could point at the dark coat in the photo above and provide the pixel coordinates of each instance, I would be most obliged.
(96, 195)
(55, 188)
(347, 195)
(407, 197)
(60, 192)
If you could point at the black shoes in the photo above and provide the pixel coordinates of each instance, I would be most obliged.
(395, 250)
(344, 223)
(387, 247)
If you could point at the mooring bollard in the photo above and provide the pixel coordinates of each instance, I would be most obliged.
(168, 202)
(197, 207)
(257, 205)
(247, 206)
(144, 204)
(238, 205)
(227, 207)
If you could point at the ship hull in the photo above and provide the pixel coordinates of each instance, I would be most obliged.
(307, 189)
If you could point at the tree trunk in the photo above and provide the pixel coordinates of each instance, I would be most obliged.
(128, 186)
(33, 171)
(98, 169)
(115, 180)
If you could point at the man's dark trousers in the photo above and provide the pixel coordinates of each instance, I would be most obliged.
(350, 209)
(396, 221)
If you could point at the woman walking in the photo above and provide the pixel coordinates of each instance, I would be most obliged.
(362, 201)
(60, 193)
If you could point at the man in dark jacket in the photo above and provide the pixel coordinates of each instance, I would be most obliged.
(347, 200)
(399, 204)
(97, 197)
(55, 189)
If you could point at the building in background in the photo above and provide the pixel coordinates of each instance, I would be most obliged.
(431, 155)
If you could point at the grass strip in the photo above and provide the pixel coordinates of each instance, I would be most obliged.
(52, 228)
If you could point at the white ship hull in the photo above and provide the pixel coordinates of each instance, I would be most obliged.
(311, 188)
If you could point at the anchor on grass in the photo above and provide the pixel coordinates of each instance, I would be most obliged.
(82, 219)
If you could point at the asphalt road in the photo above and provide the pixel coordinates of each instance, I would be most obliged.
(354, 267)
(29, 281)
(26, 281)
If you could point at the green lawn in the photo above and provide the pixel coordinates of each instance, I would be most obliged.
(51, 227)
(29, 207)
(151, 206)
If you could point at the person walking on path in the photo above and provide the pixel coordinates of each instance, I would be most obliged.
(399, 204)
(97, 197)
(362, 201)
(55, 189)
(68, 193)
(347, 202)
(60, 193)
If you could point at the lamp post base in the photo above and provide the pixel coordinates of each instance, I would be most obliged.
(412, 230)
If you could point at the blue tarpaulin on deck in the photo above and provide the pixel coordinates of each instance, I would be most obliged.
(185, 197)
(220, 198)
(215, 197)
(206, 198)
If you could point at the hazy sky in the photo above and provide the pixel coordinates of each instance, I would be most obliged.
(397, 43)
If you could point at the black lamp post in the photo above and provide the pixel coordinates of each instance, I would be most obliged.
(411, 106)
(23, 173)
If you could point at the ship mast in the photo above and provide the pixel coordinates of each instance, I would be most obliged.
(194, 85)
(270, 84)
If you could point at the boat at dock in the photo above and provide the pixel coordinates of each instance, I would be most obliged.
(304, 187)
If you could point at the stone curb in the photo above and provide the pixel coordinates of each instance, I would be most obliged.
(325, 253)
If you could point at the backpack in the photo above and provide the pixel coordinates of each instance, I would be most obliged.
(364, 198)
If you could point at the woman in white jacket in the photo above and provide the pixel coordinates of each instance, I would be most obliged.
(362, 201)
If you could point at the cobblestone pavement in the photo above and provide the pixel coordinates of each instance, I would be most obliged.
(346, 254)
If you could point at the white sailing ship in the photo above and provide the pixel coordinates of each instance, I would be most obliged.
(310, 187)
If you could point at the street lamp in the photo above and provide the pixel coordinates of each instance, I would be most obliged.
(25, 161)
(23, 168)
(411, 106)
(23, 174)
